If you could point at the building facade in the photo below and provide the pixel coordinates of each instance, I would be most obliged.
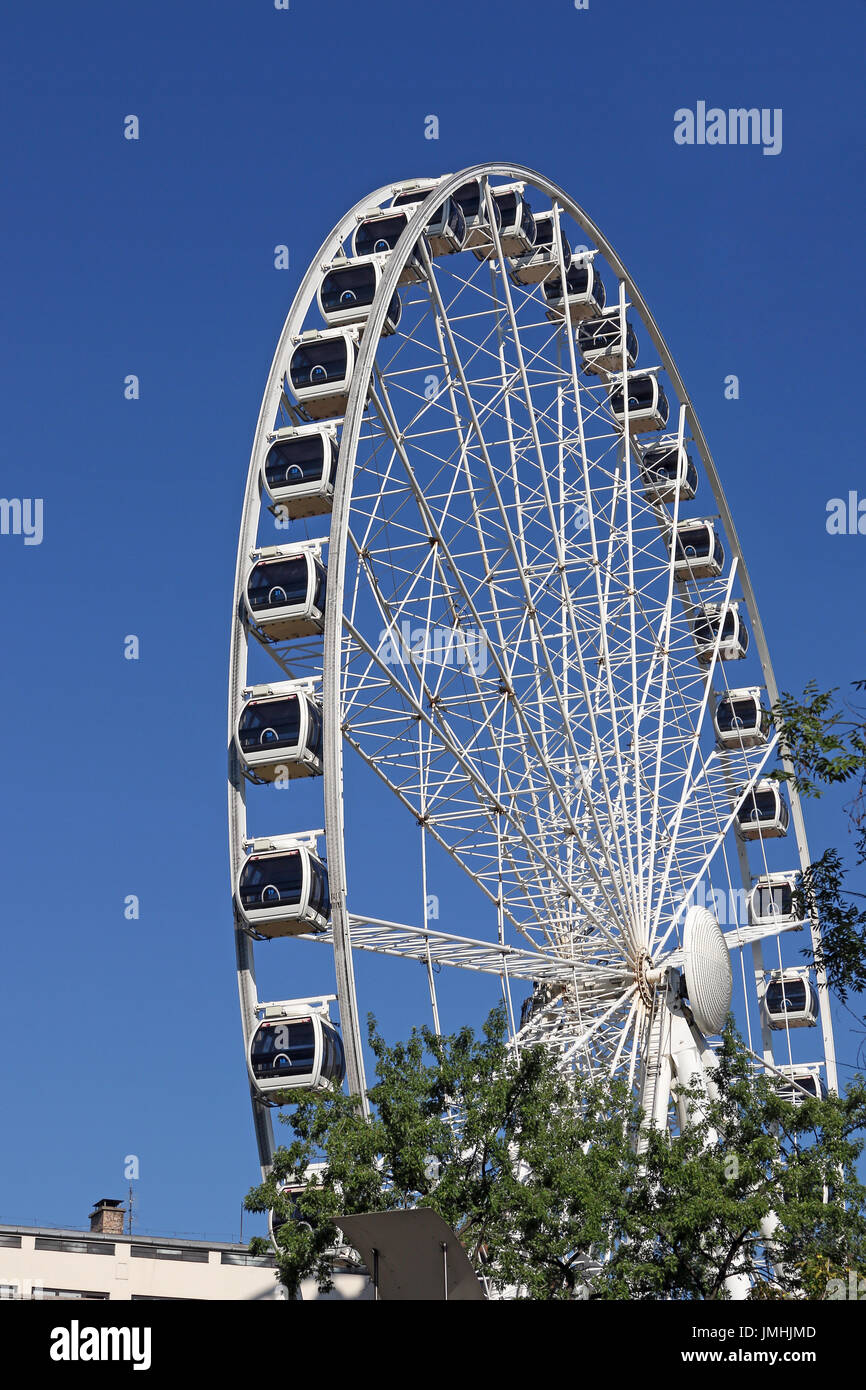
(106, 1263)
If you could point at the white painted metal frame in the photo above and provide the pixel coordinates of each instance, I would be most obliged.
(512, 775)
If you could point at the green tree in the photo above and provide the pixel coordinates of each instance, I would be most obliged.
(695, 1216)
(824, 743)
(539, 1176)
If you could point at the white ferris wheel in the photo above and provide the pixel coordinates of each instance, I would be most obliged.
(485, 546)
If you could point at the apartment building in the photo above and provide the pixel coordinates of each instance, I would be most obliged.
(104, 1262)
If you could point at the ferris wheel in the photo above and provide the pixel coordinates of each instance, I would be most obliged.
(484, 545)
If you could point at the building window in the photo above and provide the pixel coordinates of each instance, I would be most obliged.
(170, 1252)
(163, 1298)
(90, 1295)
(231, 1257)
(10, 1242)
(75, 1247)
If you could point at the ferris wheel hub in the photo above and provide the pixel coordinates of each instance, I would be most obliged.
(709, 978)
(647, 977)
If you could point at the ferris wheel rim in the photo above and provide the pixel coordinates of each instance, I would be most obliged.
(238, 645)
(351, 427)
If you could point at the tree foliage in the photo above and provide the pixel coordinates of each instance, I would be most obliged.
(539, 1175)
(824, 745)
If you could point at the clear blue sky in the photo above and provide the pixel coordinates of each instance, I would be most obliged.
(155, 257)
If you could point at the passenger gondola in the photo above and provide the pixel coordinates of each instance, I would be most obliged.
(379, 233)
(290, 1190)
(599, 341)
(790, 1000)
(698, 551)
(734, 641)
(275, 1223)
(299, 469)
(295, 1047)
(285, 593)
(763, 812)
(772, 900)
(446, 230)
(667, 470)
(347, 291)
(541, 260)
(740, 719)
(584, 293)
(647, 403)
(802, 1079)
(320, 371)
(471, 202)
(516, 222)
(279, 732)
(283, 891)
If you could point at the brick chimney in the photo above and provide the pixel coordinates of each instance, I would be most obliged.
(107, 1217)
